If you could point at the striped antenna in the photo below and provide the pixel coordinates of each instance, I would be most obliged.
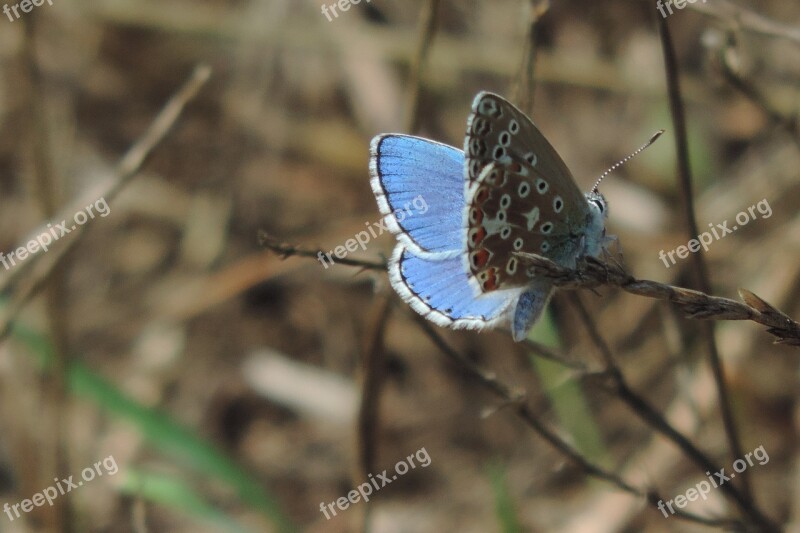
(618, 164)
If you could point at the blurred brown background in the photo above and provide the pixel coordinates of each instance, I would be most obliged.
(172, 302)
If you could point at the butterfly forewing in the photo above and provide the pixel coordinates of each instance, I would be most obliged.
(520, 195)
(499, 131)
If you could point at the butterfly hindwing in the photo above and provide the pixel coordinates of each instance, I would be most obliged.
(529, 307)
(513, 208)
(441, 291)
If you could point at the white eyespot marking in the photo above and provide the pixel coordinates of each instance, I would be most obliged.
(481, 126)
(513, 126)
(476, 147)
(475, 168)
(518, 242)
(505, 201)
(546, 228)
(499, 153)
(502, 175)
(511, 267)
(501, 215)
(541, 186)
(524, 189)
(531, 158)
(558, 204)
(532, 217)
(473, 260)
(472, 234)
(545, 246)
(487, 107)
(504, 139)
(473, 215)
(505, 233)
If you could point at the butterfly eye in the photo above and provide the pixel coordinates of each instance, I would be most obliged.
(600, 205)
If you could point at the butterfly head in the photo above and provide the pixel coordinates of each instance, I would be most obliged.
(595, 235)
(597, 204)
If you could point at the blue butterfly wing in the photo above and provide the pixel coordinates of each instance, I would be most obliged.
(443, 291)
(419, 186)
(529, 306)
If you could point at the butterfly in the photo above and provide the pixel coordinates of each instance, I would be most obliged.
(508, 191)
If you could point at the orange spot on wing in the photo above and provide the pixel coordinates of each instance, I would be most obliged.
(479, 235)
(490, 283)
(479, 258)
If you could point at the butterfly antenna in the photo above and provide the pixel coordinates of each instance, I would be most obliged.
(621, 162)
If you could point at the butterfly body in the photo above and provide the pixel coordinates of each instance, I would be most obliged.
(507, 192)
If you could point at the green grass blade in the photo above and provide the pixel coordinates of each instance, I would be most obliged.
(160, 431)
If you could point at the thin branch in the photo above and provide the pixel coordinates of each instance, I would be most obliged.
(45, 179)
(592, 273)
(517, 400)
(731, 73)
(427, 30)
(373, 370)
(735, 15)
(525, 82)
(698, 260)
(127, 168)
(619, 386)
(287, 250)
